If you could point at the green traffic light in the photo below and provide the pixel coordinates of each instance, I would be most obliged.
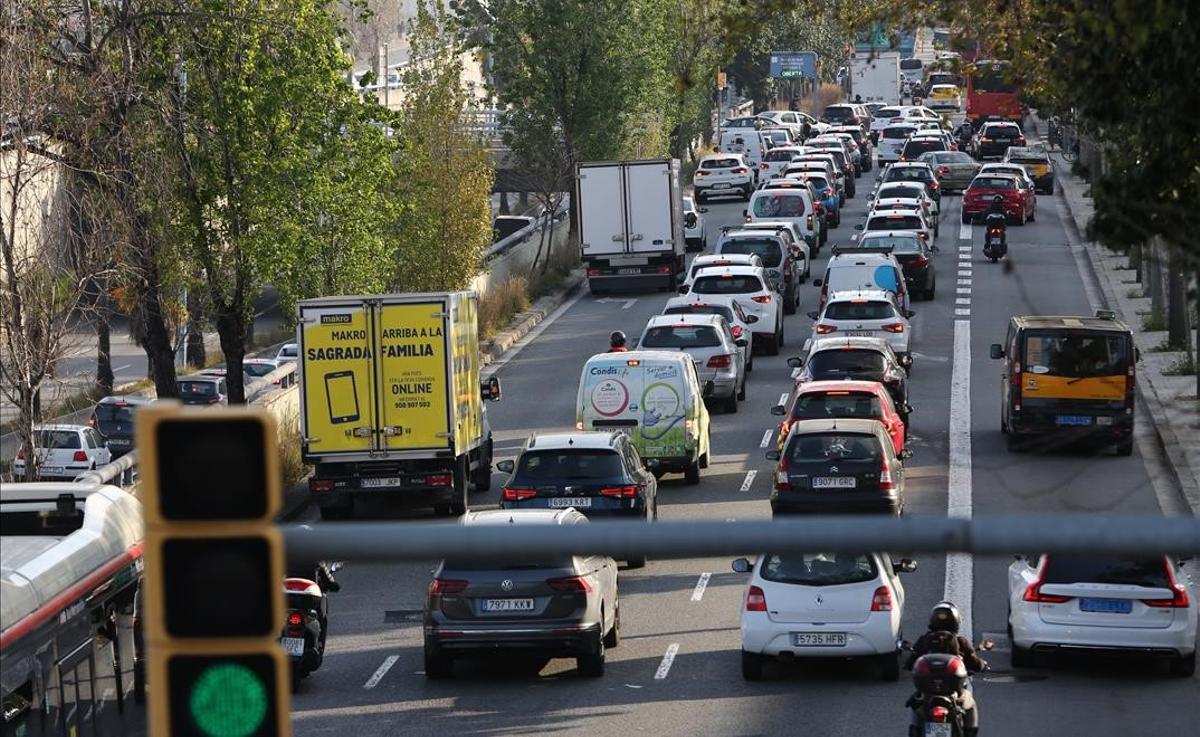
(228, 700)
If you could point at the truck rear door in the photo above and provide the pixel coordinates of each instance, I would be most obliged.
(601, 214)
(651, 207)
(337, 399)
(413, 371)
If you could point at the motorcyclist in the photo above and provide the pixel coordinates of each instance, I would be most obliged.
(964, 133)
(616, 342)
(996, 217)
(858, 99)
(943, 637)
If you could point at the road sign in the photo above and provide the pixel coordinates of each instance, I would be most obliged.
(793, 64)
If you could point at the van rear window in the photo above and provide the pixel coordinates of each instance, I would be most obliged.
(894, 222)
(784, 205)
(898, 132)
(681, 336)
(741, 284)
(781, 155)
(1149, 571)
(719, 163)
(767, 249)
(859, 311)
(1078, 356)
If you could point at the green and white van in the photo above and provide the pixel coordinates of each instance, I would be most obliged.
(655, 396)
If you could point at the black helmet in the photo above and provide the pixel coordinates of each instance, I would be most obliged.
(617, 339)
(944, 617)
(998, 200)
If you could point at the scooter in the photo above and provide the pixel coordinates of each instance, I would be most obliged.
(940, 704)
(304, 630)
(995, 242)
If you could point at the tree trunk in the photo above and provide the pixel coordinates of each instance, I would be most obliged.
(195, 352)
(104, 368)
(1177, 307)
(231, 327)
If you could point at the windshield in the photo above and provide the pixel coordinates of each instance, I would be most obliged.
(841, 363)
(767, 249)
(1029, 159)
(894, 222)
(719, 163)
(1067, 569)
(114, 413)
(1078, 356)
(911, 64)
(912, 191)
(780, 138)
(953, 157)
(721, 310)
(57, 439)
(781, 155)
(898, 243)
(725, 284)
(558, 465)
(681, 336)
(1000, 131)
(898, 132)
(917, 146)
(888, 112)
(197, 388)
(859, 311)
(771, 205)
(819, 569)
(818, 182)
(257, 369)
(993, 183)
(833, 447)
(839, 112)
(818, 406)
(916, 173)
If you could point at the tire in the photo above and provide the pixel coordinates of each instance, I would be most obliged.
(773, 345)
(1032, 216)
(837, 218)
(731, 404)
(1125, 447)
(482, 478)
(613, 638)
(336, 513)
(741, 395)
(1020, 657)
(592, 665)
(691, 474)
(700, 198)
(750, 362)
(1185, 666)
(789, 305)
(458, 507)
(703, 465)
(636, 562)
(1015, 443)
(889, 663)
(752, 666)
(929, 295)
(437, 666)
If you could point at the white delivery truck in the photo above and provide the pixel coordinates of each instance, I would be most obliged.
(875, 78)
(630, 224)
(391, 400)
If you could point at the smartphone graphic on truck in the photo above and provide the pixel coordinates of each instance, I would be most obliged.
(341, 392)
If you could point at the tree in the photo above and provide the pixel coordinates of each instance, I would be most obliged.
(446, 176)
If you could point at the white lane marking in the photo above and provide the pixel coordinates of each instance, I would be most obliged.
(962, 311)
(532, 335)
(959, 566)
(665, 666)
(964, 290)
(964, 231)
(701, 584)
(749, 480)
(964, 272)
(767, 438)
(381, 671)
(962, 300)
(627, 302)
(783, 398)
(964, 249)
(964, 282)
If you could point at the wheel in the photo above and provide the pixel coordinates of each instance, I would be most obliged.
(691, 474)
(438, 666)
(334, 513)
(1020, 657)
(1015, 443)
(700, 199)
(992, 259)
(837, 217)
(481, 480)
(752, 666)
(636, 562)
(1185, 666)
(462, 470)
(750, 363)
(966, 218)
(789, 305)
(592, 666)
(741, 395)
(613, 638)
(1032, 215)
(1125, 447)
(773, 345)
(295, 678)
(731, 404)
(889, 663)
(703, 464)
(932, 290)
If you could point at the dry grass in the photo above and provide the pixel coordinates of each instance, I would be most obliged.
(291, 467)
(500, 303)
(562, 263)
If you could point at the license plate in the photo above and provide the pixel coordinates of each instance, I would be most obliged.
(723, 185)
(118, 441)
(819, 639)
(378, 483)
(834, 482)
(53, 470)
(1104, 420)
(293, 646)
(629, 270)
(1106, 606)
(1073, 420)
(570, 501)
(860, 333)
(939, 730)
(508, 605)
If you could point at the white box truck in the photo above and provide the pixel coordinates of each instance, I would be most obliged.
(877, 78)
(630, 224)
(391, 400)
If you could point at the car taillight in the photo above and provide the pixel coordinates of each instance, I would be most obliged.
(91, 421)
(943, 169)
(939, 713)
(295, 619)
(570, 585)
(517, 493)
(852, 120)
(886, 482)
(882, 600)
(214, 400)
(20, 454)
(320, 484)
(741, 170)
(923, 236)
(762, 299)
(825, 329)
(894, 327)
(80, 457)
(808, 221)
(1130, 385)
(919, 261)
(782, 480)
(1033, 592)
(447, 586)
(620, 491)
(723, 361)
(756, 600)
(593, 272)
(701, 173)
(1019, 141)
(764, 166)
(737, 331)
(1180, 598)
(439, 479)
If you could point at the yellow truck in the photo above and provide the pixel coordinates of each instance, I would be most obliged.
(391, 400)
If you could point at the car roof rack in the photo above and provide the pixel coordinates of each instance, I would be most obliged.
(840, 249)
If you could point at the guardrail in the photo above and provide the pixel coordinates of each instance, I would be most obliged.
(514, 239)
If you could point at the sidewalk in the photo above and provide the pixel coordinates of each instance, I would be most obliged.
(1172, 400)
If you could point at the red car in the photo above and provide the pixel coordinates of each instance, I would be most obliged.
(864, 400)
(1020, 204)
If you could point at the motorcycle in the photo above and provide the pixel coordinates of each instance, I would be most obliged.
(305, 626)
(995, 242)
(941, 702)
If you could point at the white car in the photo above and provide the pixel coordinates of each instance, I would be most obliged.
(777, 160)
(869, 313)
(883, 117)
(791, 201)
(822, 605)
(719, 259)
(288, 352)
(898, 219)
(723, 175)
(887, 204)
(694, 233)
(64, 452)
(799, 246)
(795, 120)
(750, 286)
(910, 189)
(1103, 603)
(892, 140)
(731, 310)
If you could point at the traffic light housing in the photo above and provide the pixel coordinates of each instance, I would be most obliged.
(210, 487)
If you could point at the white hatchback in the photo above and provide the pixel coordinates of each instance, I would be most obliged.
(750, 286)
(822, 605)
(869, 313)
(64, 452)
(1103, 603)
(892, 140)
(723, 175)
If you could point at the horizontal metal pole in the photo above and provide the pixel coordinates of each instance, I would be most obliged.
(109, 471)
(1001, 535)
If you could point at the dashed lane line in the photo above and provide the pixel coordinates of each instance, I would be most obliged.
(960, 587)
(766, 439)
(749, 480)
(665, 666)
(783, 398)
(381, 671)
(701, 584)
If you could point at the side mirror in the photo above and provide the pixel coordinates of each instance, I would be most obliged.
(817, 282)
(703, 209)
(907, 409)
(1137, 354)
(709, 388)
(996, 350)
(491, 389)
(934, 248)
(745, 213)
(813, 315)
(858, 227)
(690, 220)
(741, 565)
(741, 342)
(795, 362)
(684, 288)
(751, 319)
(906, 454)
(779, 410)
(336, 566)
(506, 466)
(906, 565)
(772, 455)
(906, 361)
(909, 313)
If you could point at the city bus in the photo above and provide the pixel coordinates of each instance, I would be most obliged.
(991, 95)
(70, 567)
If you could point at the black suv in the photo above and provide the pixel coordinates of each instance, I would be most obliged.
(113, 418)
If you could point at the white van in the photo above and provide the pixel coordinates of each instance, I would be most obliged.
(748, 142)
(792, 202)
(656, 397)
(858, 268)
